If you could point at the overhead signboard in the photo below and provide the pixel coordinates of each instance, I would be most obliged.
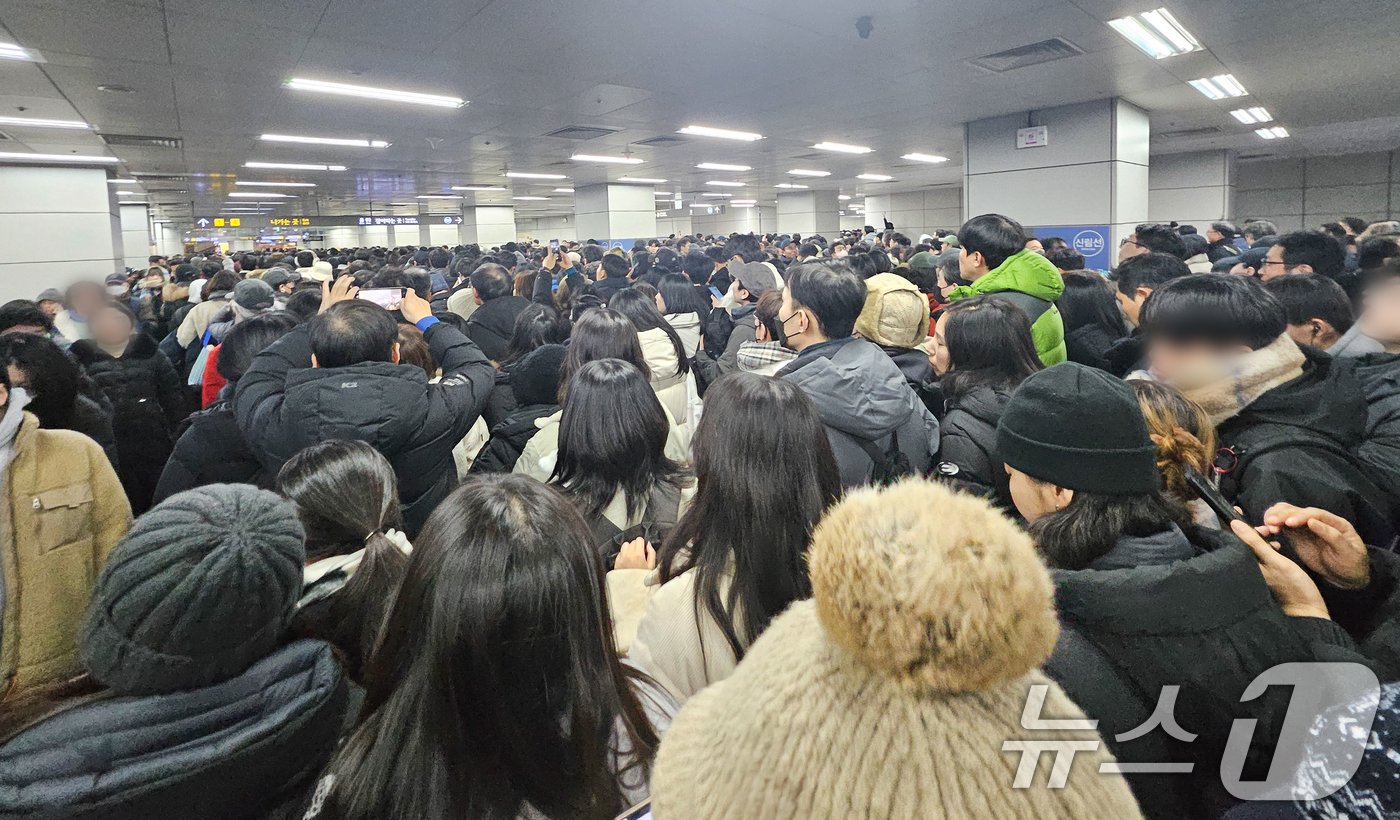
(330, 221)
(218, 222)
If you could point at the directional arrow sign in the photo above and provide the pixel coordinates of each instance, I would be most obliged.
(201, 223)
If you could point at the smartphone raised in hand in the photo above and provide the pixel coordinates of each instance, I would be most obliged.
(387, 298)
(554, 245)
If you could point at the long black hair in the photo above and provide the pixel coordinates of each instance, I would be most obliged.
(1089, 300)
(346, 495)
(497, 691)
(766, 474)
(53, 378)
(681, 296)
(1090, 525)
(612, 438)
(989, 343)
(535, 326)
(642, 312)
(601, 333)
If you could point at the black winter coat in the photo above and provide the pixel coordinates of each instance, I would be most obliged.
(1379, 374)
(1125, 355)
(968, 438)
(605, 288)
(247, 748)
(1321, 418)
(94, 420)
(283, 405)
(210, 449)
(508, 439)
(1089, 345)
(1185, 610)
(492, 324)
(148, 403)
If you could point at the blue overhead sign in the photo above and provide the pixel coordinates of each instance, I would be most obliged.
(1090, 240)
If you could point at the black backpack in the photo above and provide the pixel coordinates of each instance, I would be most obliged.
(662, 512)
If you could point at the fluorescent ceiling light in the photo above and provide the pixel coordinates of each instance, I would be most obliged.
(1250, 116)
(12, 51)
(1156, 33)
(123, 182)
(349, 143)
(720, 166)
(523, 175)
(806, 172)
(531, 198)
(260, 195)
(276, 184)
(790, 185)
(722, 183)
(1277, 132)
(724, 196)
(720, 133)
(917, 157)
(842, 148)
(665, 194)
(479, 188)
(438, 196)
(563, 191)
(130, 193)
(599, 158)
(1219, 87)
(15, 155)
(133, 203)
(371, 93)
(744, 202)
(643, 180)
(843, 196)
(294, 166)
(34, 122)
(875, 177)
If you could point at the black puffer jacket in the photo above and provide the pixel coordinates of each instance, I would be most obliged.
(94, 420)
(249, 747)
(1178, 610)
(967, 457)
(283, 405)
(508, 439)
(1089, 345)
(1379, 374)
(210, 449)
(148, 402)
(492, 324)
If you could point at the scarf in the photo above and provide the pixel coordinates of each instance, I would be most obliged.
(1225, 387)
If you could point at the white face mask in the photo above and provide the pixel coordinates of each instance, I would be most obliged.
(116, 290)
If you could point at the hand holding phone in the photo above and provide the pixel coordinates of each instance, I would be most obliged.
(387, 298)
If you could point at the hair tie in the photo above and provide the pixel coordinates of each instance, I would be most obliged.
(372, 534)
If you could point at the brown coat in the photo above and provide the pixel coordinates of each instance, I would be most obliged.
(65, 512)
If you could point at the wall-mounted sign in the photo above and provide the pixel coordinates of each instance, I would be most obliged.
(1037, 137)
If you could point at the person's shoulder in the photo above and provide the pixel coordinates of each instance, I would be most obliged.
(63, 444)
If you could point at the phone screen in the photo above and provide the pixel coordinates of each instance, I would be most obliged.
(554, 244)
(715, 292)
(387, 298)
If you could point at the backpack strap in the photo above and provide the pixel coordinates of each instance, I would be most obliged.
(664, 505)
(1033, 306)
(1233, 459)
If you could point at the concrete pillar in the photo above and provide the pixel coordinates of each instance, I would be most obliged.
(347, 237)
(488, 225)
(756, 220)
(1196, 188)
(1088, 183)
(809, 212)
(136, 235)
(172, 241)
(57, 226)
(615, 214)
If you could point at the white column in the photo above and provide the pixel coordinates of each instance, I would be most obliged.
(616, 214)
(1197, 188)
(809, 212)
(57, 226)
(372, 235)
(171, 240)
(136, 236)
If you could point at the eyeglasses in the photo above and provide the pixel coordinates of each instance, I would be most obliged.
(1126, 241)
(1267, 262)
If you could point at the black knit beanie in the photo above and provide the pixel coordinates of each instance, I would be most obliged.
(201, 587)
(1081, 429)
(535, 378)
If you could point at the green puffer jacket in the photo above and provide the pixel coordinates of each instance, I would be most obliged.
(1028, 273)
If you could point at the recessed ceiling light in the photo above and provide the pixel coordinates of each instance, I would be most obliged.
(294, 166)
(116, 89)
(349, 143)
(875, 177)
(371, 93)
(599, 158)
(123, 182)
(129, 193)
(842, 148)
(1219, 87)
(643, 180)
(720, 133)
(1275, 133)
(720, 166)
(479, 188)
(665, 194)
(807, 172)
(843, 196)
(724, 196)
(790, 185)
(917, 157)
(722, 183)
(563, 190)
(438, 196)
(15, 155)
(276, 184)
(531, 198)
(744, 204)
(1156, 33)
(261, 195)
(34, 122)
(12, 51)
(1251, 116)
(523, 175)
(133, 203)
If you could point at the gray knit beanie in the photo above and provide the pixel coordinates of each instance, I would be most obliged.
(201, 587)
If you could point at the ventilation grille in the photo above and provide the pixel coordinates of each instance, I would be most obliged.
(581, 132)
(1034, 54)
(1206, 131)
(137, 141)
(663, 141)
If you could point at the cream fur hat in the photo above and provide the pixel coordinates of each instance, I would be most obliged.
(889, 694)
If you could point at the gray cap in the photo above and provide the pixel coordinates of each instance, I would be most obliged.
(277, 277)
(50, 295)
(754, 277)
(253, 294)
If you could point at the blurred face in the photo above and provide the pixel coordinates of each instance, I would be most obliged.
(1130, 248)
(1033, 244)
(1169, 360)
(1380, 315)
(1036, 499)
(110, 326)
(937, 349)
(87, 301)
(51, 307)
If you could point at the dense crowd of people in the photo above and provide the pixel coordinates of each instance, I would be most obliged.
(772, 526)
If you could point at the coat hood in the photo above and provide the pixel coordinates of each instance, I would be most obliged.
(1024, 271)
(1327, 399)
(857, 389)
